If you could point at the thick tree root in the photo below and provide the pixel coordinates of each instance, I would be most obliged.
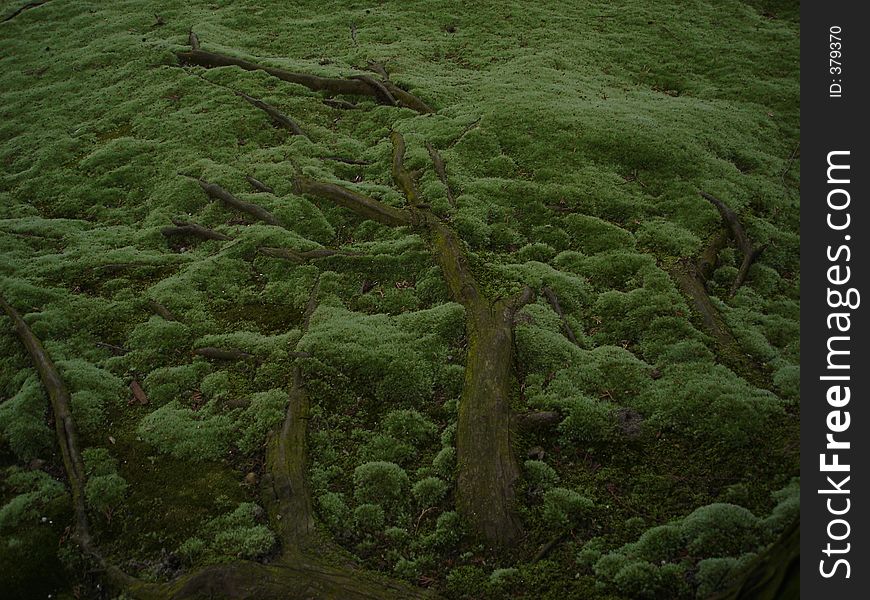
(557, 308)
(67, 439)
(750, 251)
(307, 568)
(488, 468)
(182, 228)
(332, 85)
(690, 277)
(216, 192)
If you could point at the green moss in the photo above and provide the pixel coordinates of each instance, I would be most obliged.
(380, 483)
(429, 491)
(563, 508)
(237, 534)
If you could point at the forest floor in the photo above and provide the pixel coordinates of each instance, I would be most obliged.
(405, 298)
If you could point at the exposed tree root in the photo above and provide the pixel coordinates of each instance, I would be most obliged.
(383, 91)
(441, 171)
(278, 118)
(362, 205)
(308, 568)
(67, 439)
(27, 6)
(750, 251)
(774, 574)
(690, 277)
(554, 302)
(216, 192)
(193, 229)
(547, 548)
(403, 178)
(347, 161)
(488, 468)
(537, 420)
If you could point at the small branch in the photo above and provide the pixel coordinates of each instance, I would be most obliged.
(441, 171)
(332, 85)
(520, 300)
(116, 350)
(228, 354)
(403, 179)
(557, 308)
(364, 206)
(27, 6)
(744, 244)
(216, 192)
(182, 228)
(259, 185)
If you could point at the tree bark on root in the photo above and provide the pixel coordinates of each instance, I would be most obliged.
(691, 280)
(488, 467)
(332, 85)
(278, 118)
(750, 251)
(308, 567)
(216, 192)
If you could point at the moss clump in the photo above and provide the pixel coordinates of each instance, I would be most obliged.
(429, 491)
(380, 482)
(237, 534)
(22, 420)
(563, 508)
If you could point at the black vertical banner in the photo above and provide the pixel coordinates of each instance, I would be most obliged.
(835, 370)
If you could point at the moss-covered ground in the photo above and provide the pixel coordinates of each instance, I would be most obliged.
(577, 137)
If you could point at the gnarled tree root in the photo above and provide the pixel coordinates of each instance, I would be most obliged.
(364, 85)
(750, 251)
(690, 277)
(308, 567)
(216, 192)
(23, 8)
(488, 468)
(67, 439)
